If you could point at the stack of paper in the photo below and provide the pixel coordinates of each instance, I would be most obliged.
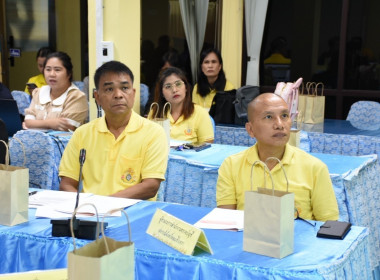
(58, 204)
(220, 218)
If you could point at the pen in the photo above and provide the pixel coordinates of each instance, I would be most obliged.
(32, 193)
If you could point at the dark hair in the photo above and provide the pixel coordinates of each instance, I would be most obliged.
(66, 62)
(204, 87)
(172, 58)
(44, 52)
(188, 105)
(113, 67)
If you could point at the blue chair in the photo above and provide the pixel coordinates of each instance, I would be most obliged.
(365, 115)
(39, 158)
(22, 99)
(79, 84)
(144, 96)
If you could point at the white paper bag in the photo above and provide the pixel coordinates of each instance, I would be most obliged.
(269, 219)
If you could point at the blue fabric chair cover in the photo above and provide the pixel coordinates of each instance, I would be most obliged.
(144, 96)
(79, 84)
(22, 99)
(39, 153)
(365, 115)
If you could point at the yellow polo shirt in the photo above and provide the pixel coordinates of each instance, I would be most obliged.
(206, 101)
(308, 177)
(140, 152)
(197, 128)
(39, 80)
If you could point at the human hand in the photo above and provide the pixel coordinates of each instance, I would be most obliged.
(61, 124)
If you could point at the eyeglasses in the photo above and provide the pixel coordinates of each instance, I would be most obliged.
(176, 84)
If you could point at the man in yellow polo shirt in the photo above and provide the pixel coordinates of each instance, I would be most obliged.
(126, 154)
(308, 177)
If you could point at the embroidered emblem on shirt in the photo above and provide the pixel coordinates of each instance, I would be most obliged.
(129, 176)
(188, 131)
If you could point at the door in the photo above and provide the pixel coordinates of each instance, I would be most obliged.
(24, 28)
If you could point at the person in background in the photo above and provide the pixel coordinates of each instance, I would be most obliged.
(211, 78)
(188, 121)
(126, 154)
(169, 59)
(278, 53)
(309, 179)
(59, 105)
(38, 80)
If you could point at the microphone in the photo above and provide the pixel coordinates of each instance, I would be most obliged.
(83, 229)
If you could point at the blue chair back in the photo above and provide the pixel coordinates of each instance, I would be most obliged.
(22, 99)
(365, 115)
(39, 158)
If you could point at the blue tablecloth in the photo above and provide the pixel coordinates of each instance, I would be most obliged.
(191, 179)
(30, 246)
(340, 127)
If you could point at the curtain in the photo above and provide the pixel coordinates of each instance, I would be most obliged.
(255, 13)
(194, 18)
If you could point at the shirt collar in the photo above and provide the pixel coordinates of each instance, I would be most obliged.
(253, 154)
(169, 116)
(45, 95)
(134, 124)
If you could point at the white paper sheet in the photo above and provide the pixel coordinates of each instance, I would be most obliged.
(220, 218)
(57, 204)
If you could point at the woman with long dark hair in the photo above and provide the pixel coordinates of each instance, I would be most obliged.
(188, 121)
(211, 78)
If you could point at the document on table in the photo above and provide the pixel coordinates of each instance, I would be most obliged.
(220, 218)
(58, 204)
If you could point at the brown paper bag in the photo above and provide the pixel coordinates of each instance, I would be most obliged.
(269, 219)
(294, 138)
(14, 191)
(312, 104)
(103, 259)
(162, 121)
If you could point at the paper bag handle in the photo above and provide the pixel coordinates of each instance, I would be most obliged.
(163, 111)
(311, 88)
(158, 108)
(72, 217)
(129, 227)
(322, 88)
(270, 175)
(6, 154)
(151, 108)
(282, 167)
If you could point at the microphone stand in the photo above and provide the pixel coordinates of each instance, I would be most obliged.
(83, 229)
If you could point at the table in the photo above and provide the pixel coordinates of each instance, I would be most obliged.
(30, 246)
(337, 137)
(341, 127)
(191, 180)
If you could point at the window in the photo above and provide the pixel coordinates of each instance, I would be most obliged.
(304, 39)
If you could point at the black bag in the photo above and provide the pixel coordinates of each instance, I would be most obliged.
(230, 107)
(244, 95)
(223, 109)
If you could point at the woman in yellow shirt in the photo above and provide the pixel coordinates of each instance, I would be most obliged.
(38, 80)
(188, 121)
(211, 78)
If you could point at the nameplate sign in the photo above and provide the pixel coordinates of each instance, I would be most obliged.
(178, 234)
